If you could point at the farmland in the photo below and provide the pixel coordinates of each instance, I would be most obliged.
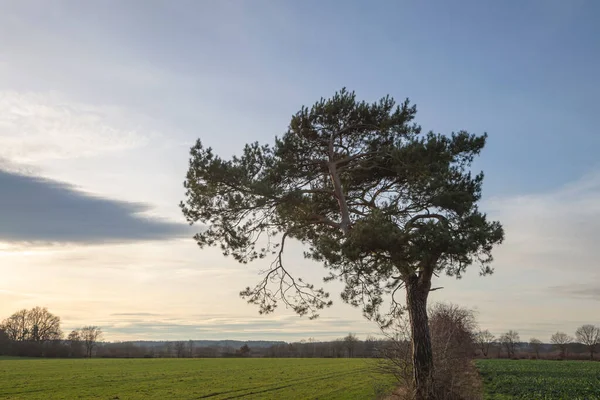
(538, 379)
(252, 378)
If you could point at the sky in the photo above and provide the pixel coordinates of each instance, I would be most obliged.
(100, 102)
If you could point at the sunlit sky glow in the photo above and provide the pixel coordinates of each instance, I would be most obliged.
(101, 100)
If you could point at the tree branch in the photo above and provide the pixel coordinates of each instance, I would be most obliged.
(306, 299)
(414, 219)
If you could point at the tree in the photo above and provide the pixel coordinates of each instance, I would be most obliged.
(190, 348)
(4, 342)
(561, 341)
(245, 350)
(382, 206)
(588, 335)
(16, 326)
(371, 343)
(453, 332)
(510, 341)
(36, 325)
(484, 340)
(313, 346)
(90, 335)
(338, 348)
(168, 349)
(350, 342)
(180, 349)
(75, 344)
(44, 325)
(535, 345)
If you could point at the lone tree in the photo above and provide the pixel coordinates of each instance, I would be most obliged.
(588, 335)
(75, 344)
(350, 341)
(536, 345)
(180, 349)
(381, 205)
(245, 350)
(510, 341)
(90, 336)
(561, 341)
(484, 340)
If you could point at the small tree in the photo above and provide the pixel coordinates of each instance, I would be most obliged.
(589, 335)
(180, 349)
(90, 335)
(484, 340)
(510, 342)
(535, 345)
(382, 206)
(453, 334)
(4, 342)
(190, 348)
(350, 341)
(561, 341)
(75, 344)
(245, 350)
(168, 349)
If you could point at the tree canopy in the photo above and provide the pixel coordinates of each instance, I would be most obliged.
(374, 199)
(36, 324)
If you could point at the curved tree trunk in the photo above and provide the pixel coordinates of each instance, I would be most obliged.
(417, 291)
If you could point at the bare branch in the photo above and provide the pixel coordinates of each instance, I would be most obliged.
(304, 299)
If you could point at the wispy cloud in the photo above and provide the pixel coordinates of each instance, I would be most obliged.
(136, 314)
(287, 327)
(40, 210)
(557, 230)
(547, 267)
(590, 291)
(44, 126)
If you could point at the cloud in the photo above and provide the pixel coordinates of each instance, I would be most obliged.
(553, 231)
(578, 290)
(231, 327)
(545, 270)
(40, 210)
(135, 314)
(38, 127)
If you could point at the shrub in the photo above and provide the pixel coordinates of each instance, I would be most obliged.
(452, 330)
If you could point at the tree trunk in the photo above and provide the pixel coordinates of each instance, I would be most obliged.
(417, 292)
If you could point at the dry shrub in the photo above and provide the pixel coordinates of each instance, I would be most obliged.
(452, 330)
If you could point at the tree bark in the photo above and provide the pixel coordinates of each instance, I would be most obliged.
(417, 291)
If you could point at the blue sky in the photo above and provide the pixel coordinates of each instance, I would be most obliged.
(102, 100)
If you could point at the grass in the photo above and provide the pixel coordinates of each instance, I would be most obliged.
(120, 379)
(540, 379)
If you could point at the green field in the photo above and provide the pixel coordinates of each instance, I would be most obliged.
(121, 379)
(539, 379)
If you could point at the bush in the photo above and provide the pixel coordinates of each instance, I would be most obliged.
(452, 330)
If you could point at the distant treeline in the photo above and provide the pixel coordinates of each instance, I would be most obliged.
(350, 346)
(189, 349)
(37, 333)
(562, 346)
(65, 348)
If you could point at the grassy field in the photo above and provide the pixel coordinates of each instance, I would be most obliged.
(123, 379)
(539, 379)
